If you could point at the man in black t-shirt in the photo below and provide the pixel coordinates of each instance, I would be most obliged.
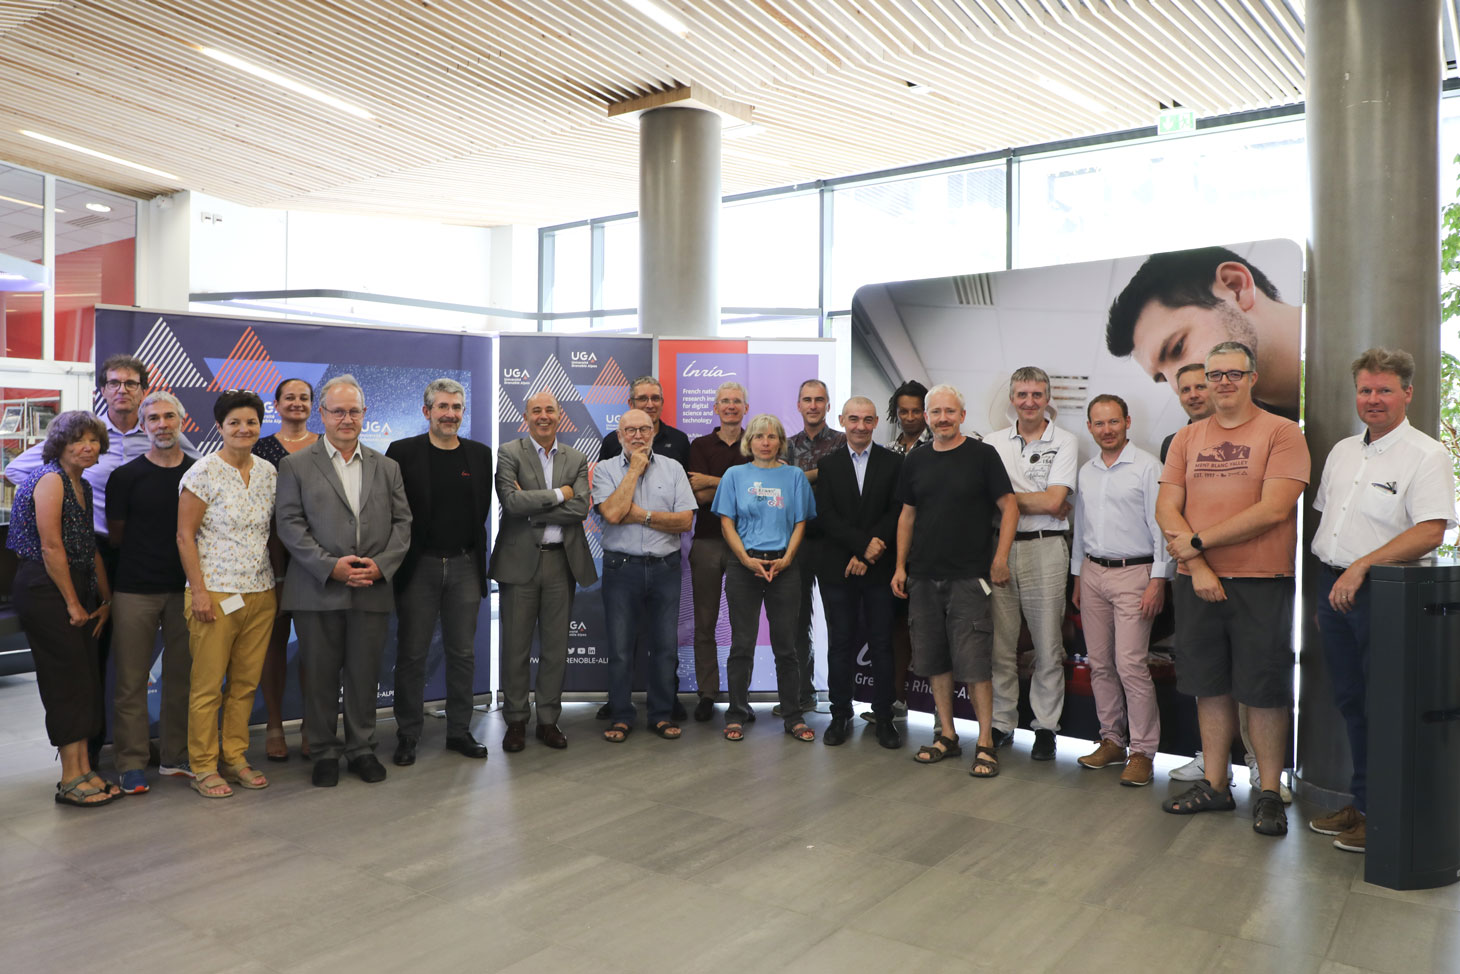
(648, 395)
(147, 592)
(946, 558)
(448, 481)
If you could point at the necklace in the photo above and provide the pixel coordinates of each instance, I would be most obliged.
(294, 439)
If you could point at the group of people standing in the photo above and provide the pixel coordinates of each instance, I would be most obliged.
(932, 552)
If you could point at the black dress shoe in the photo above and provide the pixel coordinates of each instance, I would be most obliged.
(1043, 749)
(466, 745)
(603, 713)
(887, 734)
(552, 736)
(705, 709)
(405, 752)
(677, 712)
(326, 773)
(1002, 738)
(516, 737)
(837, 731)
(368, 767)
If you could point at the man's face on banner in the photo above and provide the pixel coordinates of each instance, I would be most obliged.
(1167, 338)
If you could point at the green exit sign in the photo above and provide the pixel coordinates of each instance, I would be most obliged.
(1172, 121)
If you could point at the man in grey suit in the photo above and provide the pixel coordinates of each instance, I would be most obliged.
(541, 553)
(342, 513)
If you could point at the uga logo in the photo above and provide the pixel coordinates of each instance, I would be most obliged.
(509, 374)
(584, 358)
(577, 628)
(377, 427)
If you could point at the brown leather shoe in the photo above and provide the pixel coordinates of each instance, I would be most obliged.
(1137, 770)
(516, 737)
(551, 736)
(1104, 756)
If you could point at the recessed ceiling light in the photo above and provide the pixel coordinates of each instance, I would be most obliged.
(101, 155)
(33, 206)
(660, 16)
(98, 207)
(915, 88)
(1069, 94)
(275, 78)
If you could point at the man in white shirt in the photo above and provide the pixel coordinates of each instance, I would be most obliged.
(1120, 565)
(1387, 494)
(1042, 461)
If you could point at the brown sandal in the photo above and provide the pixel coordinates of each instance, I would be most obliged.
(932, 753)
(985, 763)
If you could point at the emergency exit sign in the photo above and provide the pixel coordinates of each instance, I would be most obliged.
(1172, 121)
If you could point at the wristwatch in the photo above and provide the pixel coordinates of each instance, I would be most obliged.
(1196, 543)
(648, 519)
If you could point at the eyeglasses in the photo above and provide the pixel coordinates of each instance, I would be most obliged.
(636, 430)
(647, 399)
(131, 385)
(342, 413)
(1231, 375)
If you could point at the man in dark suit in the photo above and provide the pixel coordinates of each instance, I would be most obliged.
(342, 513)
(856, 523)
(540, 554)
(449, 486)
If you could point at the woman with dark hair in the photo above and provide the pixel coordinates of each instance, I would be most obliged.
(293, 404)
(224, 515)
(56, 592)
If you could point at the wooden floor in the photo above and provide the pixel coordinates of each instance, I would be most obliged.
(694, 856)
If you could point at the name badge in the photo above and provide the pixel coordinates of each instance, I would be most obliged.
(231, 604)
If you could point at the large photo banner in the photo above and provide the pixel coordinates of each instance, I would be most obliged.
(1124, 326)
(589, 375)
(196, 357)
(771, 370)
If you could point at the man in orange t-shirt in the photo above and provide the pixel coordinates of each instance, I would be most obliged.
(1228, 508)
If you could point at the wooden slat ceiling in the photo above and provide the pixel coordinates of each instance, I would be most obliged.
(495, 112)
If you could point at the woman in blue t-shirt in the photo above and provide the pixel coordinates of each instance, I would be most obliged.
(764, 506)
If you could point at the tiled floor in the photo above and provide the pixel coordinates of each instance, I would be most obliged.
(693, 856)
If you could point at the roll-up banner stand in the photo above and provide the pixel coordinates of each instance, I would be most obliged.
(198, 356)
(973, 330)
(771, 370)
(590, 376)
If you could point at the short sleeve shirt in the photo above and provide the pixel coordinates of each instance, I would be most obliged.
(712, 456)
(766, 503)
(955, 495)
(143, 496)
(1052, 460)
(233, 539)
(663, 487)
(807, 451)
(1223, 472)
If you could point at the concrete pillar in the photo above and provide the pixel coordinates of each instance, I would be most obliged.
(679, 222)
(1373, 271)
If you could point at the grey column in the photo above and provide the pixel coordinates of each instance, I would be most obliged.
(679, 222)
(1373, 271)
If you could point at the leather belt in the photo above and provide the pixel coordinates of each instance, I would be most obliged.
(1122, 562)
(1333, 570)
(765, 555)
(644, 559)
(555, 546)
(1036, 535)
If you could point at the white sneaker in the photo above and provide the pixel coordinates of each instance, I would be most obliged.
(1254, 779)
(1192, 770)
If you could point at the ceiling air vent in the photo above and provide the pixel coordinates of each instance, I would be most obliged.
(89, 220)
(26, 236)
(1069, 392)
(976, 290)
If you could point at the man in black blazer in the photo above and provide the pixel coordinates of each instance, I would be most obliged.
(856, 522)
(449, 486)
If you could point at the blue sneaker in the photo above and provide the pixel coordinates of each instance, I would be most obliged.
(179, 770)
(134, 782)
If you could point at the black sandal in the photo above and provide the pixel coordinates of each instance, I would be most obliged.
(621, 729)
(663, 729)
(1268, 816)
(1200, 797)
(932, 753)
(985, 763)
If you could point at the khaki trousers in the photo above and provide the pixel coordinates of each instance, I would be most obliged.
(232, 646)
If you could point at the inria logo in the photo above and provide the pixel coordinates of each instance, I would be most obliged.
(584, 358)
(713, 372)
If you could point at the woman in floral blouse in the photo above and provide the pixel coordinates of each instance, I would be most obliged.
(56, 592)
(224, 513)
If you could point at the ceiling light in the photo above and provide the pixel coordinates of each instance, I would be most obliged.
(33, 206)
(20, 275)
(1069, 94)
(283, 82)
(660, 16)
(98, 207)
(101, 155)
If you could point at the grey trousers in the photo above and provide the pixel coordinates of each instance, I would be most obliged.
(449, 589)
(334, 644)
(544, 604)
(135, 619)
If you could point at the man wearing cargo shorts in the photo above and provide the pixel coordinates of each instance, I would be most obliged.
(946, 558)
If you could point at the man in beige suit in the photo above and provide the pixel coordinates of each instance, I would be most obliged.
(540, 555)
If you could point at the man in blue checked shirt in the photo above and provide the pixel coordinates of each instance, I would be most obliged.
(646, 503)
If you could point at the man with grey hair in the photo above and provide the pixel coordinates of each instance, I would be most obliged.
(709, 457)
(448, 482)
(147, 593)
(342, 513)
(1228, 507)
(1042, 462)
(645, 393)
(1387, 494)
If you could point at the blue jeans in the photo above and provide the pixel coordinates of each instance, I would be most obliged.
(641, 592)
(1346, 650)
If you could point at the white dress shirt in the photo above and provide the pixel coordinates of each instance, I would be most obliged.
(551, 533)
(1115, 512)
(1050, 460)
(859, 464)
(1372, 492)
(351, 473)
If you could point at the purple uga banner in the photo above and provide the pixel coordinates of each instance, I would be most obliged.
(196, 357)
